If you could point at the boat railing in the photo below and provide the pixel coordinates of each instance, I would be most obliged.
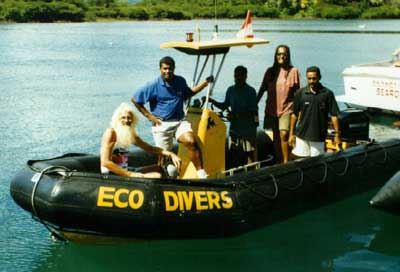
(247, 167)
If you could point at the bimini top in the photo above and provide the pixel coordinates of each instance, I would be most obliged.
(209, 47)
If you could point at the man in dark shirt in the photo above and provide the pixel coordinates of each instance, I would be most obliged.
(241, 99)
(312, 106)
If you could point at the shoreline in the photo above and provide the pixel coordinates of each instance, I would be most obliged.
(112, 20)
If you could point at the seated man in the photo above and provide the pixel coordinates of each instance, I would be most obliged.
(115, 143)
(241, 99)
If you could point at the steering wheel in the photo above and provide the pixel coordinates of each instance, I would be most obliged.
(223, 114)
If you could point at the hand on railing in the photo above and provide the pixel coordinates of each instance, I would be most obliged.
(210, 79)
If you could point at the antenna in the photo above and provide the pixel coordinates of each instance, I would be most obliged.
(215, 33)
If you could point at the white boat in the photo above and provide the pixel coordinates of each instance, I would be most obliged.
(374, 86)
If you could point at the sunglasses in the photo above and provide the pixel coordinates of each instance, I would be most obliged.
(281, 54)
(311, 78)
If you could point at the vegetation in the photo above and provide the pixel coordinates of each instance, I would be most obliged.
(92, 10)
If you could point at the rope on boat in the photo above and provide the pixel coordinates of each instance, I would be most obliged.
(298, 185)
(346, 168)
(365, 157)
(363, 160)
(365, 154)
(373, 142)
(385, 152)
(323, 178)
(260, 193)
(256, 165)
(36, 179)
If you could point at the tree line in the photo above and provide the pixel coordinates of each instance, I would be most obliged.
(93, 10)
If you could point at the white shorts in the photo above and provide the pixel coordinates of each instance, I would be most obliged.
(168, 130)
(304, 148)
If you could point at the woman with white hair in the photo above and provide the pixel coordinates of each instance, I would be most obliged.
(116, 141)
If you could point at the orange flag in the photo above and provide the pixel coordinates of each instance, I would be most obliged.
(246, 31)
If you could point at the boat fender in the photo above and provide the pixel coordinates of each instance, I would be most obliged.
(388, 197)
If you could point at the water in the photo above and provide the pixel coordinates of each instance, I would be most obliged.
(59, 84)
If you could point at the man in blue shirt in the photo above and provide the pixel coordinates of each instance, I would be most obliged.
(241, 100)
(166, 95)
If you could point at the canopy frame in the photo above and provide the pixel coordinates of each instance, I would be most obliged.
(210, 48)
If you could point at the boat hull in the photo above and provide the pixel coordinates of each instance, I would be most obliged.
(372, 87)
(82, 201)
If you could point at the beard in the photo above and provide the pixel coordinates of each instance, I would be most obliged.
(125, 135)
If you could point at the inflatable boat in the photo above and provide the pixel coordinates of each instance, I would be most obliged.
(70, 196)
(74, 200)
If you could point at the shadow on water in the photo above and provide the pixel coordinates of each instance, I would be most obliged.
(347, 236)
(380, 251)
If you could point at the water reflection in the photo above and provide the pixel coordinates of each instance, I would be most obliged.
(333, 238)
(365, 261)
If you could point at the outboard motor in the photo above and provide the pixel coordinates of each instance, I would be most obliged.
(353, 125)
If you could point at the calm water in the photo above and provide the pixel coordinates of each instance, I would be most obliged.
(59, 84)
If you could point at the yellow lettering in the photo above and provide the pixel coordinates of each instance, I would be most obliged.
(227, 201)
(180, 201)
(104, 194)
(171, 201)
(188, 199)
(117, 200)
(213, 200)
(200, 197)
(198, 200)
(136, 199)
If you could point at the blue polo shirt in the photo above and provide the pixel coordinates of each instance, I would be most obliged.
(165, 99)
